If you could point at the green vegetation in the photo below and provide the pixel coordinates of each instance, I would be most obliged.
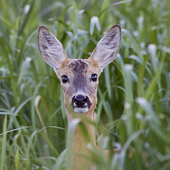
(133, 95)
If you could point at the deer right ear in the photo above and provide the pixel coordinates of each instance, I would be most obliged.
(108, 47)
(50, 48)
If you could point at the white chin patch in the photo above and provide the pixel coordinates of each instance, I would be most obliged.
(81, 109)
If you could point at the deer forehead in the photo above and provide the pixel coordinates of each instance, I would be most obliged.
(78, 67)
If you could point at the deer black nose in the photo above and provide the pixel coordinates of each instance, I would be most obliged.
(80, 98)
(81, 101)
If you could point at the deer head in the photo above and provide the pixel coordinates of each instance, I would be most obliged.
(79, 78)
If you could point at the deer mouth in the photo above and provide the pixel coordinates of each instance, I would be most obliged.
(81, 104)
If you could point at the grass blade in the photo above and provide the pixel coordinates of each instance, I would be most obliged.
(4, 142)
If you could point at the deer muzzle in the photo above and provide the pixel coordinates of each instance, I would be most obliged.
(81, 103)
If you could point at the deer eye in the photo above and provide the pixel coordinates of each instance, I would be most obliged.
(94, 77)
(64, 79)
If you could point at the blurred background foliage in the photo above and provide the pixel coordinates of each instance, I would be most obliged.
(133, 95)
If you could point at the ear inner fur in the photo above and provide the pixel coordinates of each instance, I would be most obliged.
(50, 48)
(108, 47)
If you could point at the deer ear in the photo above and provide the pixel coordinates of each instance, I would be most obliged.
(108, 47)
(50, 48)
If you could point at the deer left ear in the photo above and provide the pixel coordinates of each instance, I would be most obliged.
(108, 47)
(50, 48)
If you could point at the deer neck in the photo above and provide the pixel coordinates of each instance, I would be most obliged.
(78, 137)
(79, 142)
(80, 145)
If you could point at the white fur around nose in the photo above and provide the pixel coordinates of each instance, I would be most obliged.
(80, 92)
(81, 109)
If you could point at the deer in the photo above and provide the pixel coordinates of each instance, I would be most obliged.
(79, 80)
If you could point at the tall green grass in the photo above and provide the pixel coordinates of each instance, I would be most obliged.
(134, 91)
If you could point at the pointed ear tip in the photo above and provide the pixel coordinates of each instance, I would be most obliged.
(116, 27)
(42, 28)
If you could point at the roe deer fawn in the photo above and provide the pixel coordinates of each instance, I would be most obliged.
(79, 79)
